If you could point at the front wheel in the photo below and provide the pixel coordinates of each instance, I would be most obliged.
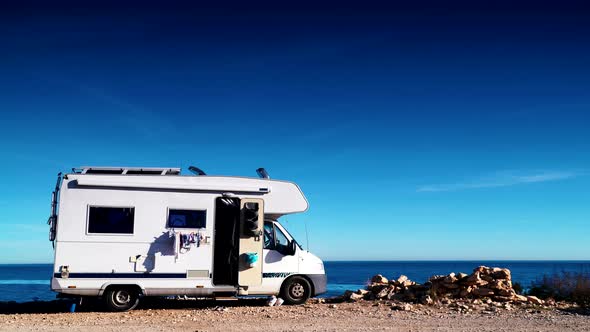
(296, 290)
(121, 299)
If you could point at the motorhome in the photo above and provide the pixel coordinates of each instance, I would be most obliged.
(122, 233)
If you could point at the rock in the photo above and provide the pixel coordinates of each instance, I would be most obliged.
(396, 296)
(506, 292)
(355, 297)
(407, 283)
(492, 283)
(450, 278)
(500, 284)
(503, 298)
(402, 307)
(383, 293)
(475, 280)
(436, 278)
(466, 291)
(534, 300)
(487, 278)
(480, 269)
(351, 296)
(362, 292)
(375, 287)
(427, 300)
(463, 307)
(451, 286)
(332, 306)
(483, 292)
(379, 279)
(498, 273)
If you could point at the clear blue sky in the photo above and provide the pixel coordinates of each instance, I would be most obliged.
(423, 132)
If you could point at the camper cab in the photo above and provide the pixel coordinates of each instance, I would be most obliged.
(121, 233)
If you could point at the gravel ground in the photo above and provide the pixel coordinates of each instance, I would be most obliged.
(248, 315)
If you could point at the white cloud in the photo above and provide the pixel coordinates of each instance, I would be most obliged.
(501, 179)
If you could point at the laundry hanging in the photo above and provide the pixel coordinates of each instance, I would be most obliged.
(183, 241)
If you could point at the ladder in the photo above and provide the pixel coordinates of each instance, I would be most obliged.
(127, 170)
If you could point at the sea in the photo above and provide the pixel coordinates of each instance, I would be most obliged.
(30, 282)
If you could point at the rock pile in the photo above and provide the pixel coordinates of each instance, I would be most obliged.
(494, 284)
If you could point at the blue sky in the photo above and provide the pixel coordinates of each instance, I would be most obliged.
(415, 131)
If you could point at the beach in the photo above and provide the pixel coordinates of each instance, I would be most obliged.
(253, 315)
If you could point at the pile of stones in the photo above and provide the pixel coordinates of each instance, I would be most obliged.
(485, 283)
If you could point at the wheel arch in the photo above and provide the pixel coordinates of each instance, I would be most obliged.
(140, 290)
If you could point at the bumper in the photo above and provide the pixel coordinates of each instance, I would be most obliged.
(320, 282)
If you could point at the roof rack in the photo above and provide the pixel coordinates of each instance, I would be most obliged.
(127, 170)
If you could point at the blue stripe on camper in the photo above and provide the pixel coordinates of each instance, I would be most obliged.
(276, 275)
(122, 275)
(151, 275)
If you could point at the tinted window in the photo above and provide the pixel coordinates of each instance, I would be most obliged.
(281, 238)
(187, 218)
(114, 220)
(269, 238)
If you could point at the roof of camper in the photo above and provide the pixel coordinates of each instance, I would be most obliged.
(280, 197)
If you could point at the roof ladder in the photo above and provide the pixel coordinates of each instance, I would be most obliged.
(127, 170)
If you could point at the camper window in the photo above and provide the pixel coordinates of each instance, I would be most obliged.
(187, 218)
(269, 238)
(110, 220)
(281, 239)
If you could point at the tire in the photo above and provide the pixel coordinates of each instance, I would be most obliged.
(296, 290)
(121, 298)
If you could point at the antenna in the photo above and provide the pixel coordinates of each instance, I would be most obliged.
(306, 235)
(262, 173)
(196, 170)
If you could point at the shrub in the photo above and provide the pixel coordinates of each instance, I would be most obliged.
(565, 286)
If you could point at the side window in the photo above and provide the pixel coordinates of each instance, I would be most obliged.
(281, 239)
(187, 218)
(111, 220)
(269, 238)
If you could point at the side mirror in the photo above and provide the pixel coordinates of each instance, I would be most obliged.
(291, 248)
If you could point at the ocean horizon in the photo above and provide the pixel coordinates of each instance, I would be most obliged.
(31, 282)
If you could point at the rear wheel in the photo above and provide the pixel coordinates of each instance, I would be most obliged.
(296, 290)
(121, 298)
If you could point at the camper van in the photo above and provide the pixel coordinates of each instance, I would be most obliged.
(122, 233)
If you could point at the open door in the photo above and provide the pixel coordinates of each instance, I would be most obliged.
(251, 242)
(226, 241)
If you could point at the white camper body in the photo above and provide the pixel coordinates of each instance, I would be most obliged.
(125, 232)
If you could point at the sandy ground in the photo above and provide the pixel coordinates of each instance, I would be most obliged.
(254, 316)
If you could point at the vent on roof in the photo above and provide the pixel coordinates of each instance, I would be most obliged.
(127, 170)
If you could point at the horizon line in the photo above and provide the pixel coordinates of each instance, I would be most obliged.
(406, 260)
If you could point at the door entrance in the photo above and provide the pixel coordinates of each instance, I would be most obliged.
(226, 241)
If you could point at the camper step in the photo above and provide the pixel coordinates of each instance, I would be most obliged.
(225, 296)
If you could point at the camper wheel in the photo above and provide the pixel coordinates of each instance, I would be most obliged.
(296, 290)
(121, 298)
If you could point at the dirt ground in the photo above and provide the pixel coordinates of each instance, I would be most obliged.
(249, 315)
